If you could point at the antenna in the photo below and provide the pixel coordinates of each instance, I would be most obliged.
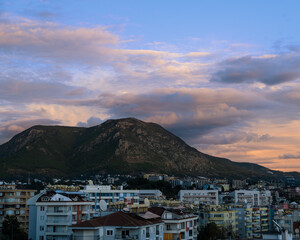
(103, 205)
(147, 202)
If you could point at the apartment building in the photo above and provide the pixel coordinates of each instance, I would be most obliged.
(13, 202)
(253, 197)
(205, 197)
(289, 220)
(257, 220)
(120, 225)
(52, 212)
(151, 194)
(177, 223)
(223, 216)
(96, 193)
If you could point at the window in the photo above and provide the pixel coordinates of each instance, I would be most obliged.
(41, 237)
(109, 232)
(125, 233)
(41, 228)
(42, 208)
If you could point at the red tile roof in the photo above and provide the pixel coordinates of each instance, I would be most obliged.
(117, 219)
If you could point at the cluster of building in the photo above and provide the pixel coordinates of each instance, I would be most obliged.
(112, 212)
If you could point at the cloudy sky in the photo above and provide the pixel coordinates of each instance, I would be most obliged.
(223, 75)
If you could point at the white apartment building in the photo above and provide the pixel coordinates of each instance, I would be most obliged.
(206, 197)
(253, 197)
(52, 212)
(178, 225)
(151, 194)
(96, 193)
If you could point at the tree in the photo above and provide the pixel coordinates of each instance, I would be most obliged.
(11, 228)
(210, 232)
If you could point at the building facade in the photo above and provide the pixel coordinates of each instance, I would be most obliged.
(205, 197)
(177, 224)
(96, 193)
(52, 212)
(13, 202)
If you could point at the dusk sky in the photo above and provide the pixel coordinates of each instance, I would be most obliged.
(222, 75)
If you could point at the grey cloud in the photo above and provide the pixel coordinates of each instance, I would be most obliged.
(289, 156)
(269, 70)
(35, 91)
(185, 114)
(230, 137)
(92, 121)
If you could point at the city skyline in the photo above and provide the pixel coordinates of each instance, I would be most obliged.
(224, 76)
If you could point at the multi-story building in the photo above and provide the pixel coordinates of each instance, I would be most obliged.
(52, 212)
(205, 197)
(96, 193)
(253, 197)
(257, 220)
(13, 202)
(177, 224)
(289, 220)
(151, 194)
(120, 225)
(238, 184)
(223, 216)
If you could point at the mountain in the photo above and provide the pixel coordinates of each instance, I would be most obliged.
(120, 146)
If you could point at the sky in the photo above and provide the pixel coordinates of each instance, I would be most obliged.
(222, 75)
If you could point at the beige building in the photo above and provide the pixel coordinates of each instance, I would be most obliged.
(13, 202)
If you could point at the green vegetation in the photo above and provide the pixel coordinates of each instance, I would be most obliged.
(211, 232)
(11, 229)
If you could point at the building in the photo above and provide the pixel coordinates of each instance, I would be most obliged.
(253, 197)
(96, 193)
(289, 220)
(52, 212)
(223, 216)
(238, 184)
(13, 202)
(206, 197)
(151, 194)
(257, 221)
(120, 225)
(177, 223)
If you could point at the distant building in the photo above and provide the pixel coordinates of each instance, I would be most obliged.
(13, 202)
(178, 224)
(120, 225)
(151, 194)
(223, 216)
(238, 184)
(253, 197)
(52, 212)
(206, 197)
(96, 193)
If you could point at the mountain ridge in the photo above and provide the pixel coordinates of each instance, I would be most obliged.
(127, 145)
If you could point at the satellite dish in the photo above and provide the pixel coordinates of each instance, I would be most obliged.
(103, 205)
(147, 202)
(297, 230)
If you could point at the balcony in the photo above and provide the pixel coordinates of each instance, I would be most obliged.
(119, 237)
(58, 212)
(58, 233)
